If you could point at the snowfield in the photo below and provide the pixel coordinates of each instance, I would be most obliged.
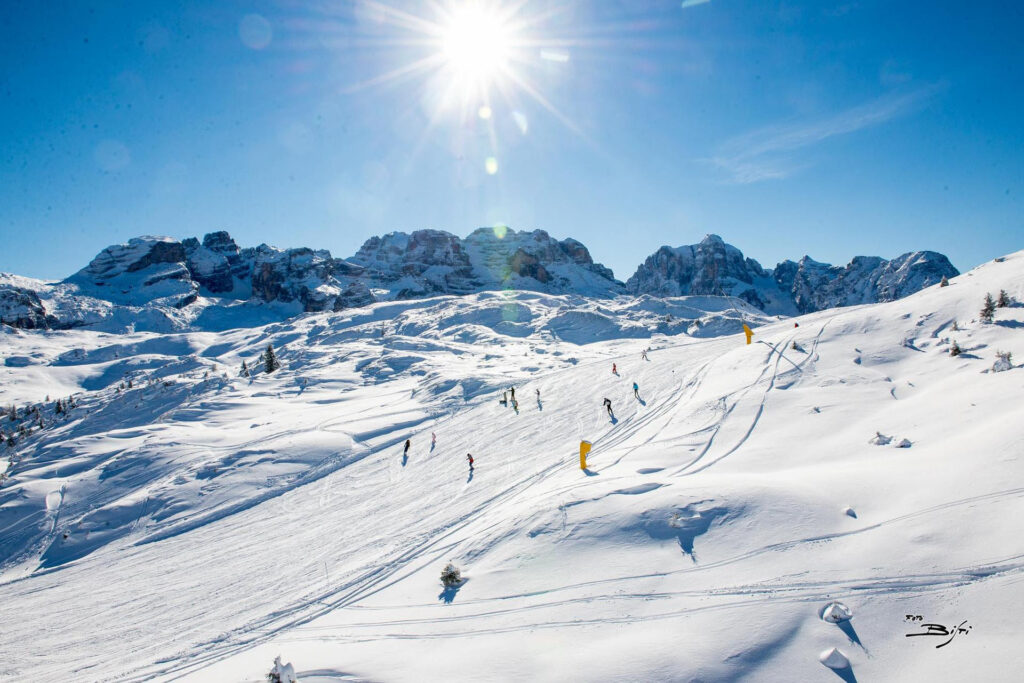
(200, 523)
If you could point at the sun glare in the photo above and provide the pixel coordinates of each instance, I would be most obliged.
(476, 43)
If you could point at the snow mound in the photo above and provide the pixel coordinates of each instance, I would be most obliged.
(834, 612)
(904, 443)
(880, 439)
(834, 659)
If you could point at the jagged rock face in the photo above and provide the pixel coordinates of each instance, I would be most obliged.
(216, 262)
(713, 267)
(146, 270)
(536, 261)
(418, 264)
(22, 308)
(816, 286)
(427, 262)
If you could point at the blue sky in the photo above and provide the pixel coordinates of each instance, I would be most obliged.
(826, 128)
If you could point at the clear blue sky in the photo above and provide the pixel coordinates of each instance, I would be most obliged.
(826, 128)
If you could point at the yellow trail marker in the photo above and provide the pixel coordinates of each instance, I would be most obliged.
(584, 449)
(747, 331)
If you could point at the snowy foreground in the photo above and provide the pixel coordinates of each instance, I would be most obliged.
(195, 526)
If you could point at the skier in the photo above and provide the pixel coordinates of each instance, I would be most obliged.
(433, 439)
(538, 395)
(643, 355)
(515, 406)
(636, 389)
(614, 371)
(408, 442)
(470, 459)
(512, 390)
(608, 405)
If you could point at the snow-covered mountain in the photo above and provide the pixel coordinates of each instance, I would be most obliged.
(159, 283)
(178, 520)
(714, 267)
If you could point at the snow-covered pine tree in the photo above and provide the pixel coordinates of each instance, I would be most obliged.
(451, 576)
(245, 369)
(59, 408)
(988, 310)
(1004, 299)
(270, 361)
(944, 282)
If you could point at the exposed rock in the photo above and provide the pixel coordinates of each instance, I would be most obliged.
(22, 308)
(146, 270)
(714, 267)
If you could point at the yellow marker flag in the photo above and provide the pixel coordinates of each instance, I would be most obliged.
(747, 331)
(584, 449)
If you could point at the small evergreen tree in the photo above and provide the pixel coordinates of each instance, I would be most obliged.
(129, 383)
(1004, 299)
(245, 369)
(944, 282)
(956, 326)
(988, 310)
(955, 350)
(270, 362)
(451, 576)
(59, 408)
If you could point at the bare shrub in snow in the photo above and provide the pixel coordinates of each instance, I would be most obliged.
(955, 349)
(451, 576)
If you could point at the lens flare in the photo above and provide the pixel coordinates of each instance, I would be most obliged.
(491, 165)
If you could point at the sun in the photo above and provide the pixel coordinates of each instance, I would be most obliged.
(476, 43)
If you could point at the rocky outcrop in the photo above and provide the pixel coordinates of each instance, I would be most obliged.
(710, 267)
(714, 267)
(429, 262)
(22, 308)
(146, 270)
(815, 286)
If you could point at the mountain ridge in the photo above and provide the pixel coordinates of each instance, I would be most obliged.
(166, 282)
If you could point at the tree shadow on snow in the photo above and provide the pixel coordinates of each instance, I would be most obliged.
(1010, 323)
(846, 673)
(447, 596)
(851, 633)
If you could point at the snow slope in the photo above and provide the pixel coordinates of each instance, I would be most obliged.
(215, 523)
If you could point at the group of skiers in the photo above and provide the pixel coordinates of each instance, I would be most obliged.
(509, 395)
